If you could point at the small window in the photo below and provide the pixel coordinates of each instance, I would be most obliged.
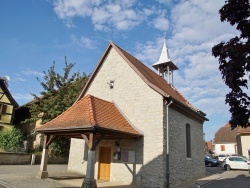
(222, 147)
(188, 141)
(3, 108)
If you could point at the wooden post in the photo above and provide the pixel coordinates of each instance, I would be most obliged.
(43, 173)
(92, 141)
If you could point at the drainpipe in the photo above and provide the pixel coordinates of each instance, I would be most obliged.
(168, 75)
(167, 154)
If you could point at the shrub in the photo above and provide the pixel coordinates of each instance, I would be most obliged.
(60, 146)
(11, 140)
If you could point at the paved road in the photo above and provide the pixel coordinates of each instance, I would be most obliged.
(29, 169)
(228, 179)
(24, 176)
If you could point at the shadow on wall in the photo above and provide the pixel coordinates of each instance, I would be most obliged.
(153, 173)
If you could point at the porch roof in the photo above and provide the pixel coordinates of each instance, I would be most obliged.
(90, 115)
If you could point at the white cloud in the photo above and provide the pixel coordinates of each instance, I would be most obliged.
(66, 9)
(148, 12)
(27, 97)
(83, 42)
(69, 23)
(19, 79)
(105, 15)
(88, 43)
(149, 52)
(29, 72)
(161, 23)
(100, 15)
(197, 21)
(212, 106)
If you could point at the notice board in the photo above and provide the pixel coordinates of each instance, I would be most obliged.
(128, 156)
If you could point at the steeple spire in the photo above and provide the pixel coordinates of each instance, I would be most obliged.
(164, 65)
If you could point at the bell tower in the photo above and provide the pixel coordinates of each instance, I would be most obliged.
(164, 65)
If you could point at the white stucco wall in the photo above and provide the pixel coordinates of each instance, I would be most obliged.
(229, 148)
(245, 144)
(143, 107)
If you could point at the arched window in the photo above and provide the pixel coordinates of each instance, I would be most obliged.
(188, 141)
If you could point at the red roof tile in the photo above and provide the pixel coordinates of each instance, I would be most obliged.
(228, 125)
(209, 145)
(90, 112)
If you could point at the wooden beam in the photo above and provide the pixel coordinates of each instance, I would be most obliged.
(86, 139)
(48, 139)
(97, 140)
(92, 141)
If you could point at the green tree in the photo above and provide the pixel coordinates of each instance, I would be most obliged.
(60, 92)
(11, 140)
(234, 60)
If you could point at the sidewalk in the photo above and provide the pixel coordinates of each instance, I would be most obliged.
(24, 176)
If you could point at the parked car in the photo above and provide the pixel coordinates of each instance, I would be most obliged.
(222, 157)
(236, 162)
(210, 161)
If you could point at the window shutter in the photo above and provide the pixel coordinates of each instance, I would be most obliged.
(3, 108)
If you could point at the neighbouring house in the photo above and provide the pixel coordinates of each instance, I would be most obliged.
(225, 141)
(243, 141)
(35, 141)
(131, 125)
(209, 148)
(7, 106)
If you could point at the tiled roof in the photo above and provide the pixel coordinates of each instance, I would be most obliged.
(225, 134)
(244, 130)
(209, 145)
(90, 112)
(152, 79)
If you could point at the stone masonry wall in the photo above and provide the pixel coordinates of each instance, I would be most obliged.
(14, 158)
(183, 169)
(143, 108)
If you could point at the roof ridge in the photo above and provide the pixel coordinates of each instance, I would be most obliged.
(91, 109)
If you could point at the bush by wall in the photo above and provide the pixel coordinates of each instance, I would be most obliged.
(11, 140)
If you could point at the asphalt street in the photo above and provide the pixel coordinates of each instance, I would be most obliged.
(24, 176)
(228, 179)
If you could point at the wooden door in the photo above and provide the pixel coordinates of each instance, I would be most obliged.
(104, 163)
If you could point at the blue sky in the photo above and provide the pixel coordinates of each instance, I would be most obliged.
(34, 33)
